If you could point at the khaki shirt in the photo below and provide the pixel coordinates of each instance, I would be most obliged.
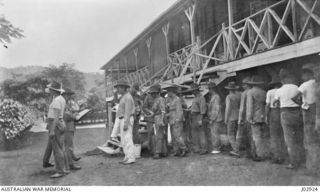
(256, 102)
(199, 105)
(232, 107)
(175, 110)
(126, 108)
(243, 106)
(70, 115)
(57, 103)
(156, 105)
(215, 108)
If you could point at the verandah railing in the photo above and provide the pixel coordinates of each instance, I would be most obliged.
(281, 24)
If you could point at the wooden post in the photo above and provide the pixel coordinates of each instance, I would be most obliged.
(270, 29)
(111, 69)
(109, 117)
(197, 62)
(125, 60)
(231, 19)
(118, 69)
(294, 19)
(148, 43)
(189, 12)
(135, 52)
(225, 45)
(165, 30)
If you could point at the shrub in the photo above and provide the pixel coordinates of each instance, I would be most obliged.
(14, 118)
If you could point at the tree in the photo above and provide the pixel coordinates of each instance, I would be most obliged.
(30, 92)
(8, 31)
(95, 100)
(68, 76)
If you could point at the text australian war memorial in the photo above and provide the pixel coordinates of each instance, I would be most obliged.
(224, 42)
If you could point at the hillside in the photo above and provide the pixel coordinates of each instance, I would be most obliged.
(21, 73)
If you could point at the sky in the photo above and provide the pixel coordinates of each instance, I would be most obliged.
(85, 32)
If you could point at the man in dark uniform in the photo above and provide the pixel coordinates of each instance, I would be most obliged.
(244, 138)
(198, 111)
(135, 93)
(256, 101)
(232, 114)
(175, 119)
(69, 117)
(155, 104)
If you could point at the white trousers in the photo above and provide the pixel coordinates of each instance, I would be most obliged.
(116, 128)
(127, 141)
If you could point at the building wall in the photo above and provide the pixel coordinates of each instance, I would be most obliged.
(143, 58)
(179, 32)
(158, 51)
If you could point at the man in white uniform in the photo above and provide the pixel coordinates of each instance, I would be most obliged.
(125, 114)
(311, 137)
(291, 119)
(56, 128)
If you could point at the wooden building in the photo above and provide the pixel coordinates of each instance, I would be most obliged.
(196, 39)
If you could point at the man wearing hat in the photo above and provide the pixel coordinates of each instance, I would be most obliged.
(291, 119)
(198, 111)
(232, 114)
(186, 119)
(311, 137)
(71, 111)
(56, 128)
(156, 128)
(125, 113)
(244, 136)
(256, 100)
(215, 117)
(175, 119)
(136, 95)
(277, 143)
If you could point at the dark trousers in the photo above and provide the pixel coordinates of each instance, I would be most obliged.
(69, 137)
(150, 136)
(135, 131)
(198, 134)
(57, 146)
(215, 134)
(311, 140)
(277, 143)
(244, 140)
(261, 139)
(232, 127)
(178, 140)
(291, 121)
(187, 129)
(157, 137)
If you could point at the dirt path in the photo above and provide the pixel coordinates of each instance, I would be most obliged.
(24, 167)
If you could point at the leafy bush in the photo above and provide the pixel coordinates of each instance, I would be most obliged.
(14, 118)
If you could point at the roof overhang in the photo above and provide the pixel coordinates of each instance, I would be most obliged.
(164, 17)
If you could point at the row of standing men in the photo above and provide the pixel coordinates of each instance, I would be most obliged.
(278, 124)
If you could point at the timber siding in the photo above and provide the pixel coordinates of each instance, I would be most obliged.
(263, 32)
